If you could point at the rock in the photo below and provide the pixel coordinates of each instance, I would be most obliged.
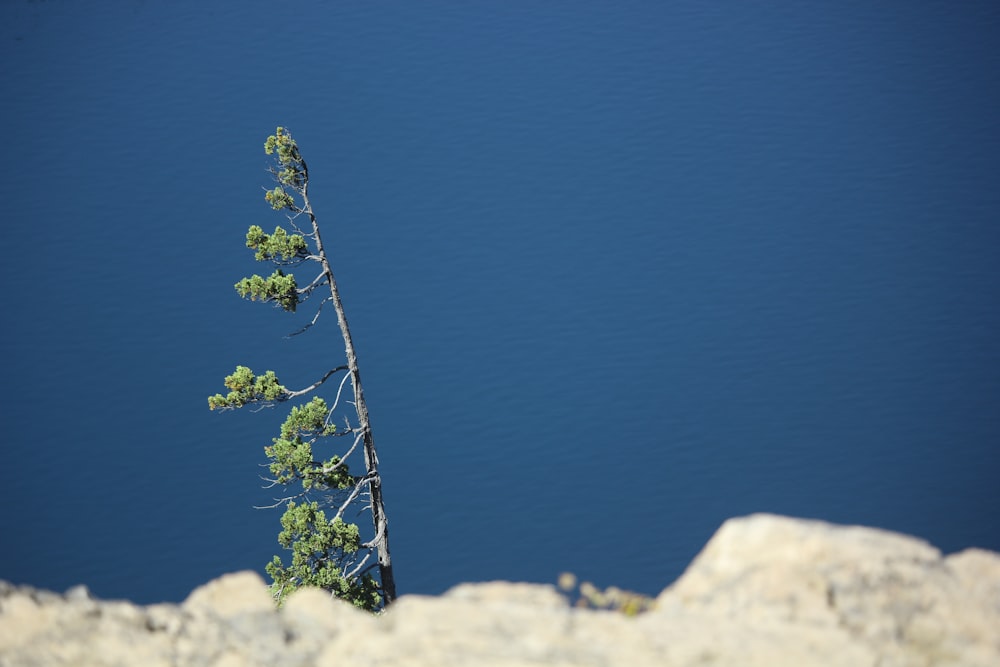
(313, 620)
(231, 596)
(887, 598)
(766, 590)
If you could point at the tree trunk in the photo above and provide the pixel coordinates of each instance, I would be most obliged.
(379, 521)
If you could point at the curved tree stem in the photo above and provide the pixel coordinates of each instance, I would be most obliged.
(379, 520)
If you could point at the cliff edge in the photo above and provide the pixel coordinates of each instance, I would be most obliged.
(766, 590)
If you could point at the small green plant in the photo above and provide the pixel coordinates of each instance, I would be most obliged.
(588, 596)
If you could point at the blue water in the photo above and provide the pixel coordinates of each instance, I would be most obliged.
(615, 273)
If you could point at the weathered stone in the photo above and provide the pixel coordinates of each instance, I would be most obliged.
(313, 621)
(765, 591)
(891, 596)
(231, 595)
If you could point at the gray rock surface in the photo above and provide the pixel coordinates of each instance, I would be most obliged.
(765, 590)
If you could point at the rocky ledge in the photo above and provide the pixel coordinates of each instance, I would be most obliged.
(766, 590)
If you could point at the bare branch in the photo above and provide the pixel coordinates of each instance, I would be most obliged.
(317, 281)
(350, 575)
(336, 401)
(343, 459)
(298, 230)
(280, 501)
(364, 481)
(290, 262)
(293, 394)
(271, 483)
(314, 319)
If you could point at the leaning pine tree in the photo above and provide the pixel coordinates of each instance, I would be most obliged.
(327, 551)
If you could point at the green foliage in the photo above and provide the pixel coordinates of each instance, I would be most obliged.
(612, 598)
(279, 244)
(244, 388)
(292, 172)
(278, 198)
(291, 454)
(279, 287)
(319, 550)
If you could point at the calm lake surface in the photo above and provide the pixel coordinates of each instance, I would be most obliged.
(615, 274)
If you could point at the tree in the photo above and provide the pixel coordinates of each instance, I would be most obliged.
(326, 552)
